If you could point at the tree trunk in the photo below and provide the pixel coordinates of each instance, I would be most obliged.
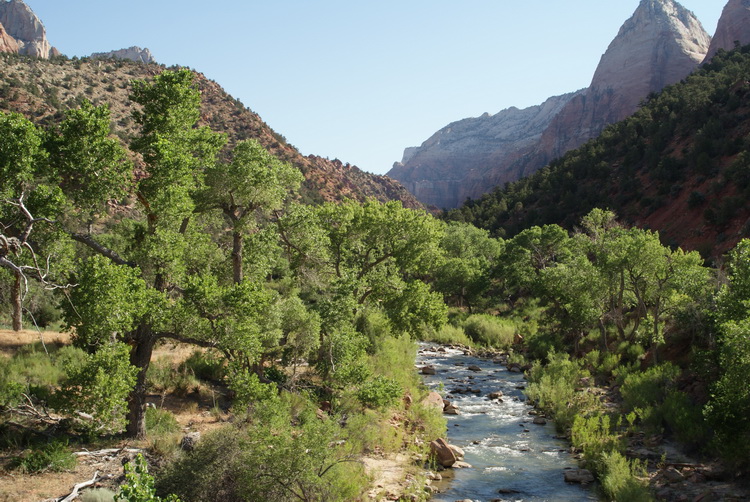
(17, 303)
(140, 357)
(237, 256)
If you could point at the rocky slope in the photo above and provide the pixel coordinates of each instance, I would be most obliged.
(660, 44)
(734, 26)
(26, 29)
(43, 89)
(435, 172)
(131, 53)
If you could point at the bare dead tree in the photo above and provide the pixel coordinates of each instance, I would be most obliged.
(11, 249)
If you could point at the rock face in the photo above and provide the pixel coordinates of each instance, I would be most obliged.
(454, 163)
(28, 31)
(734, 26)
(659, 45)
(7, 43)
(131, 53)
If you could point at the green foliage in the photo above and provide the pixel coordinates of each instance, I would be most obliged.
(623, 479)
(161, 422)
(98, 495)
(448, 334)
(490, 331)
(163, 376)
(379, 392)
(645, 391)
(269, 458)
(100, 387)
(552, 388)
(139, 484)
(53, 456)
(248, 389)
(205, 365)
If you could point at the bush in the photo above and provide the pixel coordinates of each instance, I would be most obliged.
(164, 377)
(53, 456)
(98, 495)
(159, 422)
(205, 365)
(490, 331)
(553, 389)
(620, 479)
(448, 335)
(379, 392)
(139, 484)
(645, 391)
(100, 387)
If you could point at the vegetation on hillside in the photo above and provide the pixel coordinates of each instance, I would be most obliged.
(679, 165)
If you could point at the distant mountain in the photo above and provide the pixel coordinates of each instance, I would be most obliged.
(679, 165)
(660, 44)
(131, 53)
(43, 89)
(21, 24)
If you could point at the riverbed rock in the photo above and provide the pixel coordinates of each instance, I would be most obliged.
(495, 395)
(474, 368)
(442, 452)
(428, 370)
(462, 465)
(458, 452)
(580, 476)
(540, 421)
(451, 409)
(433, 400)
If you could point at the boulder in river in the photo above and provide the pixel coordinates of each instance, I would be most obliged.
(442, 452)
(495, 395)
(428, 370)
(458, 452)
(540, 421)
(474, 368)
(580, 476)
(433, 400)
(450, 409)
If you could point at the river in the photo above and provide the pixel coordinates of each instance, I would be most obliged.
(512, 458)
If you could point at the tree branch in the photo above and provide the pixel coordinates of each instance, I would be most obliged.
(99, 248)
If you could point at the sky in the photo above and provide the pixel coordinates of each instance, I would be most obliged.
(359, 81)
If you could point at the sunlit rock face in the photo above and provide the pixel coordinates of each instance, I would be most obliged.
(131, 53)
(734, 27)
(659, 45)
(25, 27)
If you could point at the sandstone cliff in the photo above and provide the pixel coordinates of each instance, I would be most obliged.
(734, 26)
(7, 43)
(131, 53)
(25, 27)
(456, 161)
(659, 45)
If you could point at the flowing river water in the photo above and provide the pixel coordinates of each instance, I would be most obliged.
(512, 458)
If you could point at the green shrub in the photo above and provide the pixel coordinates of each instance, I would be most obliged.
(379, 392)
(205, 365)
(620, 479)
(685, 418)
(163, 376)
(159, 421)
(139, 484)
(645, 391)
(595, 435)
(552, 387)
(53, 456)
(100, 387)
(490, 331)
(448, 334)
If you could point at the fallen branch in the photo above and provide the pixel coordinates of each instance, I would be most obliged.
(107, 451)
(79, 486)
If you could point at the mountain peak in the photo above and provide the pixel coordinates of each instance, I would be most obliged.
(131, 53)
(660, 44)
(734, 26)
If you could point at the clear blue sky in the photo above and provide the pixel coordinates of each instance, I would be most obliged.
(362, 80)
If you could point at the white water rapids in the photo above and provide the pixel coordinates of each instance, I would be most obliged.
(512, 458)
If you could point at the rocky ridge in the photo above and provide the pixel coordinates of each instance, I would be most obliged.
(734, 26)
(134, 53)
(660, 44)
(20, 23)
(430, 173)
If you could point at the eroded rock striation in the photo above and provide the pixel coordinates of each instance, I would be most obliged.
(7, 43)
(734, 27)
(659, 45)
(27, 30)
(131, 53)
